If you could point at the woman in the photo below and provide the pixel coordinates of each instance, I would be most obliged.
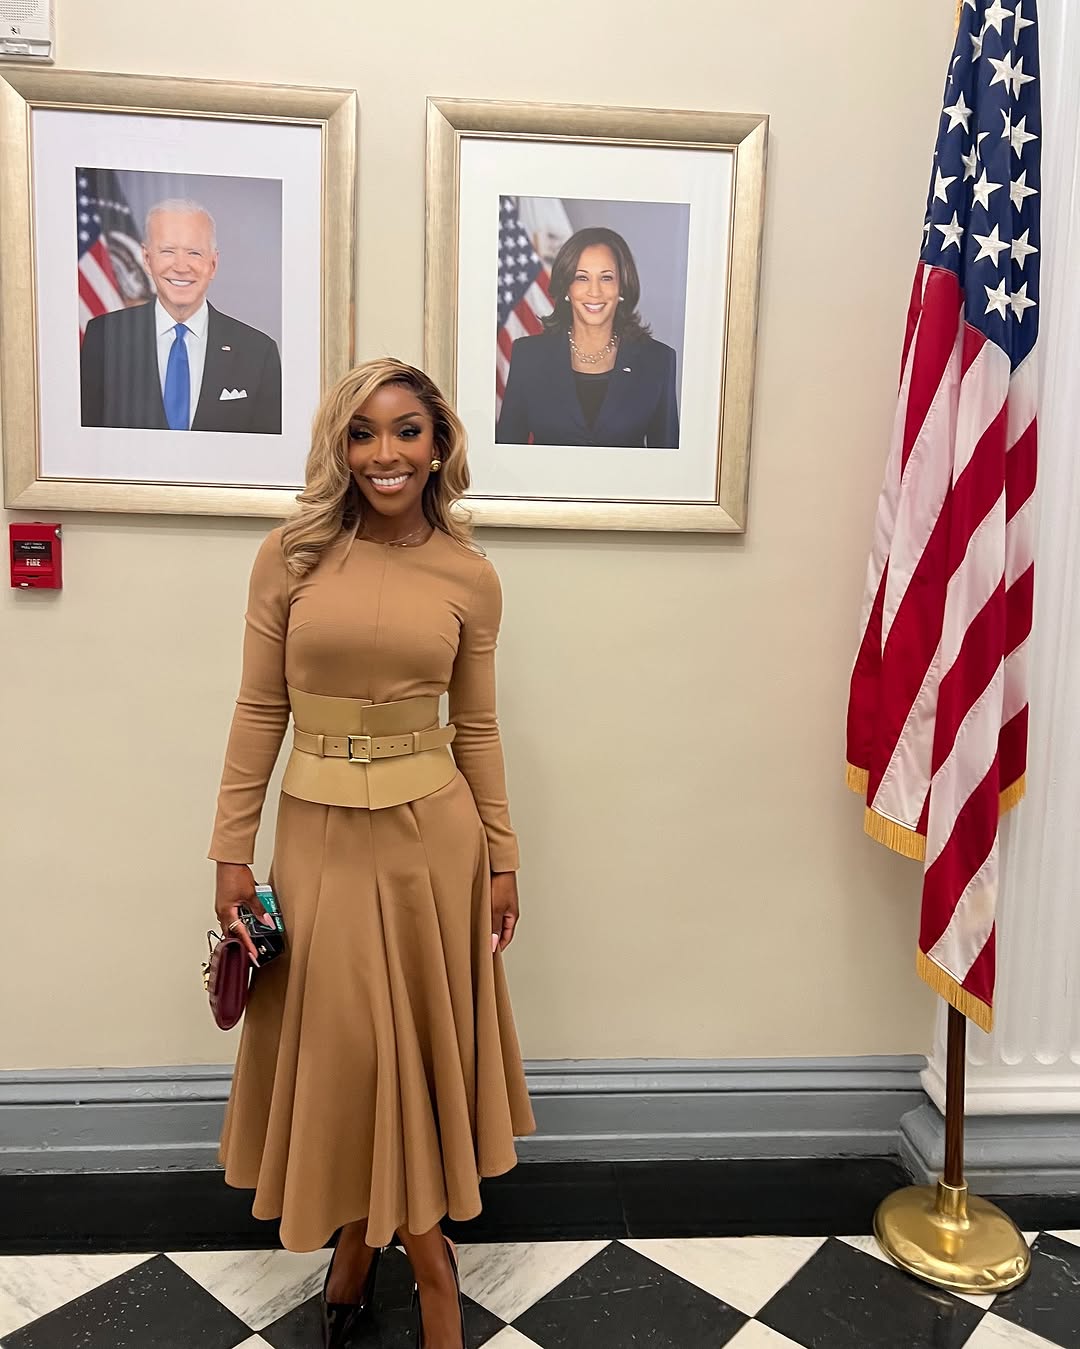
(594, 376)
(378, 1075)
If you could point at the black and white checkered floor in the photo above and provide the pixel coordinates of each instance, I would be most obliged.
(746, 1292)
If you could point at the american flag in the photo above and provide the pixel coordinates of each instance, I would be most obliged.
(524, 298)
(937, 717)
(110, 270)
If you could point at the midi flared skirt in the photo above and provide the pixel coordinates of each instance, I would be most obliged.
(378, 1073)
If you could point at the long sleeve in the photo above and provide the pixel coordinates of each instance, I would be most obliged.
(513, 425)
(663, 432)
(262, 709)
(477, 746)
(267, 410)
(92, 374)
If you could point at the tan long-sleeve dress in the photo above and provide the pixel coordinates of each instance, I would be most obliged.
(378, 1073)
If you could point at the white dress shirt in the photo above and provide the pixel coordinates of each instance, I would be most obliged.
(194, 341)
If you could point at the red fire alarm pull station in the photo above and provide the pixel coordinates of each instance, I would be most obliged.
(35, 556)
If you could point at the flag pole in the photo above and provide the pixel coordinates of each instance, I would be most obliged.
(941, 1233)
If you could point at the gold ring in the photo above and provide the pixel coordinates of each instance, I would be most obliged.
(235, 924)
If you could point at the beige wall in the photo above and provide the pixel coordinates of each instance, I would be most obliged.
(713, 898)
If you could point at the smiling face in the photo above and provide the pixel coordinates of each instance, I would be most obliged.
(391, 446)
(594, 291)
(179, 254)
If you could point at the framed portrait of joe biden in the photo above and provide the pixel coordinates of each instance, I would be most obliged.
(591, 301)
(176, 282)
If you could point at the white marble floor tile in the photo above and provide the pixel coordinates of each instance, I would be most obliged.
(756, 1336)
(257, 1286)
(869, 1246)
(745, 1272)
(256, 1342)
(1073, 1237)
(994, 1333)
(509, 1279)
(507, 1339)
(33, 1285)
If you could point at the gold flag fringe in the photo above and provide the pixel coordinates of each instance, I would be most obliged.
(910, 843)
(907, 842)
(954, 992)
(1012, 796)
(900, 838)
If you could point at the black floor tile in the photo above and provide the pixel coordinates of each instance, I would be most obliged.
(1040, 1212)
(546, 1201)
(127, 1211)
(393, 1325)
(618, 1299)
(537, 1201)
(153, 1304)
(830, 1196)
(1048, 1301)
(844, 1299)
(299, 1329)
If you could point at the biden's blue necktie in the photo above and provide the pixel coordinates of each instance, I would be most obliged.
(178, 383)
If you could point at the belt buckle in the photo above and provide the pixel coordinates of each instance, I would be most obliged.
(365, 755)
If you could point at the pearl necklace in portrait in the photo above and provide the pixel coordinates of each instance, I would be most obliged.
(594, 358)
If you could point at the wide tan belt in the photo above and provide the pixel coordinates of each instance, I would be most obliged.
(368, 748)
(353, 752)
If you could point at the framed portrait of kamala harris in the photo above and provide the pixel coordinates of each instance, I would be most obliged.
(176, 282)
(591, 301)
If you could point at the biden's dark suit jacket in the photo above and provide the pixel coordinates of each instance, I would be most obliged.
(640, 407)
(121, 385)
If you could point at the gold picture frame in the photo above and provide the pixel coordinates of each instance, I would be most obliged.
(451, 125)
(23, 93)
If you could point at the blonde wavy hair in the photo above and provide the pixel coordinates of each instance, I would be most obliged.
(331, 504)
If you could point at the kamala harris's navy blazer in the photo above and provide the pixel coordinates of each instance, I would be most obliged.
(640, 407)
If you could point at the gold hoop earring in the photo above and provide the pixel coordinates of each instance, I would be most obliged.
(436, 464)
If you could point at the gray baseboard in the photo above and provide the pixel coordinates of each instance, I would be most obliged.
(116, 1119)
(652, 1110)
(1003, 1154)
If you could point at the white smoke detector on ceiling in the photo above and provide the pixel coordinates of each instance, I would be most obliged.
(27, 32)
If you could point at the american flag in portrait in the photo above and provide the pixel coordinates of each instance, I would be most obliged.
(524, 299)
(938, 707)
(111, 274)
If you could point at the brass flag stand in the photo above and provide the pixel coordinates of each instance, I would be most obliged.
(940, 1233)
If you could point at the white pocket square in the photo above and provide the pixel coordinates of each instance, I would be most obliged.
(231, 393)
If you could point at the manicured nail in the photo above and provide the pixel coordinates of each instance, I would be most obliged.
(494, 942)
(253, 960)
(267, 920)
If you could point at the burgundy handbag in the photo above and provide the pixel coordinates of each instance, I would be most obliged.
(226, 978)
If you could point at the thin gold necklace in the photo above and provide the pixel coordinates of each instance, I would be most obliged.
(404, 540)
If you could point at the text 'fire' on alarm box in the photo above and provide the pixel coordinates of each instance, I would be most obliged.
(35, 556)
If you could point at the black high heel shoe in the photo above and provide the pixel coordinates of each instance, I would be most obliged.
(461, 1306)
(340, 1319)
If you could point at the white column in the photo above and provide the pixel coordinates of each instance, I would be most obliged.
(1030, 1064)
